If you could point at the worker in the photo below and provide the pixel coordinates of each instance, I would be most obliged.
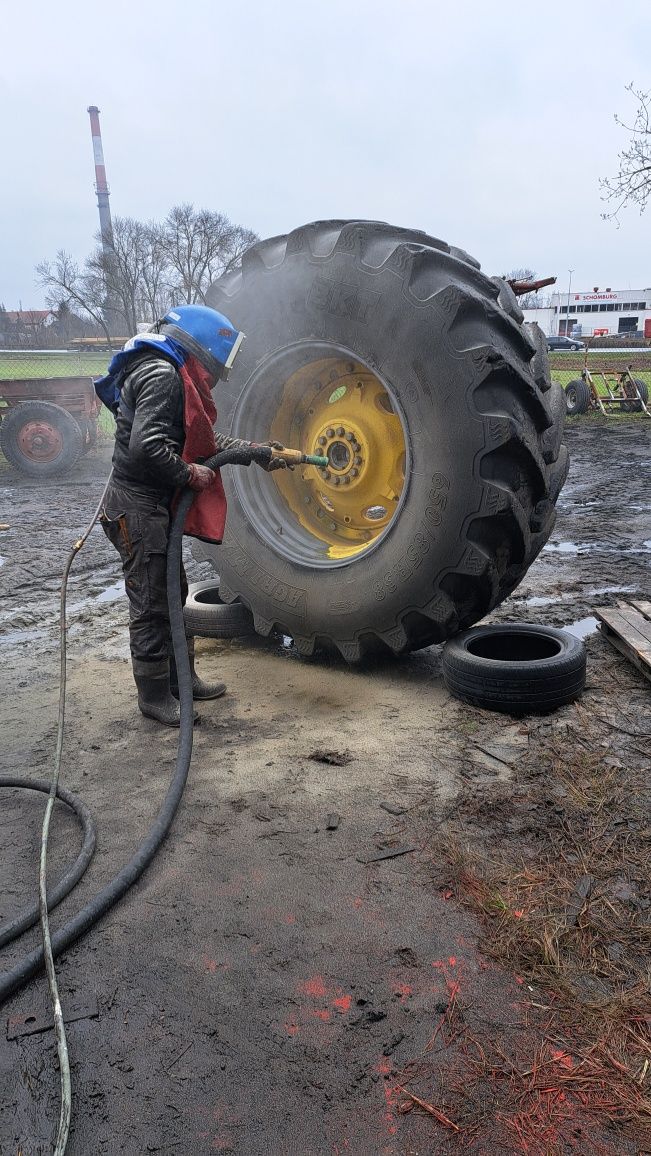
(159, 389)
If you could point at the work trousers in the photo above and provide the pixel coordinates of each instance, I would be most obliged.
(138, 526)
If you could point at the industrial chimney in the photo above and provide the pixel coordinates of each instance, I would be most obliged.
(101, 186)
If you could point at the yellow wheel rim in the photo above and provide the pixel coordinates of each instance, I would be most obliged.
(339, 409)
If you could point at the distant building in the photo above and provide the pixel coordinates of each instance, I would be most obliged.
(596, 312)
(26, 327)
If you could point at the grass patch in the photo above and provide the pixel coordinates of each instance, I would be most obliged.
(565, 904)
(16, 366)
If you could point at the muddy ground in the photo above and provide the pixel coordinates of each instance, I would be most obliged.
(262, 989)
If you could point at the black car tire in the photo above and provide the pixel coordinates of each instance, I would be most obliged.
(516, 668)
(577, 397)
(208, 617)
(484, 464)
(61, 430)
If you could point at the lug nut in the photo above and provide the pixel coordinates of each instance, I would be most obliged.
(321, 441)
(358, 460)
(330, 433)
(356, 446)
(350, 437)
(336, 481)
(354, 472)
(346, 481)
(340, 431)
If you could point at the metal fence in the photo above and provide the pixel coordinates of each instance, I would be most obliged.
(31, 364)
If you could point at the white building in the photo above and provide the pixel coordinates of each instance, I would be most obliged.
(596, 313)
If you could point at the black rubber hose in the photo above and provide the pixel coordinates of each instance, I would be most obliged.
(27, 918)
(31, 964)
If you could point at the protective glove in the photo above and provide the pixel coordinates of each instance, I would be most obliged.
(201, 478)
(275, 463)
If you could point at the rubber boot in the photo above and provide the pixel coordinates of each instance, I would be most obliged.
(201, 691)
(154, 697)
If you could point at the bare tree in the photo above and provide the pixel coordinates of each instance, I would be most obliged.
(200, 245)
(156, 294)
(146, 267)
(65, 281)
(632, 183)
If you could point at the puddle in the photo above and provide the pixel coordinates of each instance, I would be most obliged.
(583, 627)
(110, 594)
(563, 547)
(16, 637)
(601, 547)
(552, 599)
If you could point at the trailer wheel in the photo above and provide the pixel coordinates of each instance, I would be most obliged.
(635, 405)
(393, 355)
(40, 439)
(577, 397)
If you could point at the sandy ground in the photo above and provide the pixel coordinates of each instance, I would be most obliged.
(262, 988)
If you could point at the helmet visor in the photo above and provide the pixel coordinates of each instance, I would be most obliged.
(228, 364)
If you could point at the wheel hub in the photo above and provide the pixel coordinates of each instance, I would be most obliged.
(344, 449)
(340, 410)
(40, 441)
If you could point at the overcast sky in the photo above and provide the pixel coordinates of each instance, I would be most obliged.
(482, 123)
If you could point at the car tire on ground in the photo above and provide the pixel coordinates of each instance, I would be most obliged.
(393, 354)
(577, 397)
(515, 667)
(40, 439)
(208, 617)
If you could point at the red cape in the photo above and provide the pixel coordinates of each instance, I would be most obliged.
(207, 516)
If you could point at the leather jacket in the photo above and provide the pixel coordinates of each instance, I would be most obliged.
(150, 435)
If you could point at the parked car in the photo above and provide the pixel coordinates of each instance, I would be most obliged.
(557, 342)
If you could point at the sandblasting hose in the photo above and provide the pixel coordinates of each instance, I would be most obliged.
(11, 981)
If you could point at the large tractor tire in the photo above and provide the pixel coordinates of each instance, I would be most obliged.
(393, 355)
(41, 440)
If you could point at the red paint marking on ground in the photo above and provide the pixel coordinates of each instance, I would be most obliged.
(519, 913)
(223, 1144)
(292, 1029)
(357, 902)
(321, 1014)
(564, 1060)
(343, 1002)
(314, 987)
(452, 961)
(404, 990)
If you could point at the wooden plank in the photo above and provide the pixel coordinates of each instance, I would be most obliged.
(643, 607)
(630, 626)
(630, 633)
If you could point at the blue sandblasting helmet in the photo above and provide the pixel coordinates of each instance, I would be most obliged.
(204, 333)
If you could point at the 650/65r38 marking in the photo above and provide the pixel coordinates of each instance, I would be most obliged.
(394, 356)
